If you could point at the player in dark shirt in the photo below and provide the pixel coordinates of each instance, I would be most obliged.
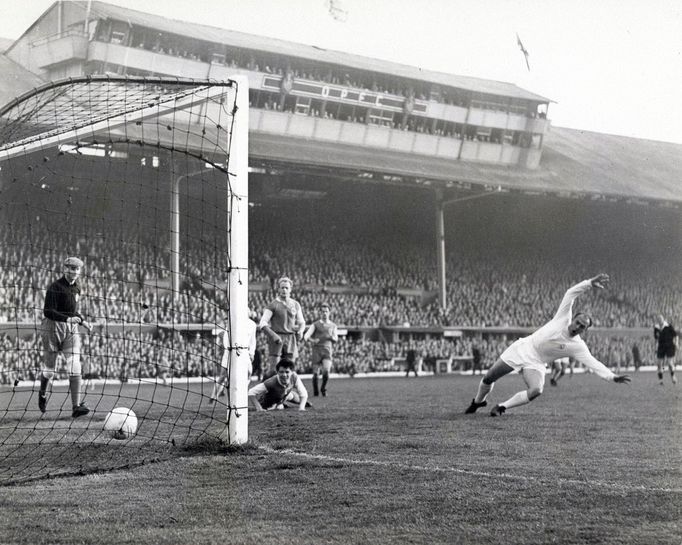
(59, 332)
(666, 347)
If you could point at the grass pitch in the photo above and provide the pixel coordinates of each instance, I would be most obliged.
(395, 460)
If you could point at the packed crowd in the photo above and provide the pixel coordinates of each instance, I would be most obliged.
(369, 283)
(165, 355)
(375, 271)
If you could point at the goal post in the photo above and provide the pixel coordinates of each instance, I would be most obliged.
(238, 232)
(145, 179)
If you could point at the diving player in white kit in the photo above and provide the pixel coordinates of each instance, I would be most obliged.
(558, 338)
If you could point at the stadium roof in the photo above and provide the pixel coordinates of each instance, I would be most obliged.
(316, 54)
(574, 163)
(4, 44)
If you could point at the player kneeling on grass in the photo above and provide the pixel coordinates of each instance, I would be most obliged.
(59, 331)
(285, 386)
(558, 338)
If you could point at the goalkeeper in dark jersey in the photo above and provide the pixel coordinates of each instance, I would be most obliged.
(59, 331)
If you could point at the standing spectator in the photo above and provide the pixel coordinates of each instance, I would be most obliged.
(283, 323)
(430, 362)
(476, 357)
(558, 338)
(411, 362)
(636, 356)
(59, 330)
(666, 339)
(324, 333)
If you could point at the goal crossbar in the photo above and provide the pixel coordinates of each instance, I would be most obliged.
(163, 104)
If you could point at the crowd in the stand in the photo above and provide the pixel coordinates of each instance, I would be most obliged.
(167, 356)
(369, 282)
(363, 288)
(284, 71)
(169, 44)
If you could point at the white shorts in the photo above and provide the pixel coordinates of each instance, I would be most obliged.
(521, 355)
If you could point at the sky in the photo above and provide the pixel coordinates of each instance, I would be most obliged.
(609, 66)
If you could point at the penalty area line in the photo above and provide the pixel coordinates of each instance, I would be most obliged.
(618, 487)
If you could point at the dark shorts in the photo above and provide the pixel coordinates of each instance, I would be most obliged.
(321, 353)
(289, 346)
(665, 352)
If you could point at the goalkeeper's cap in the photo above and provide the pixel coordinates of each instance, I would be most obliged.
(73, 262)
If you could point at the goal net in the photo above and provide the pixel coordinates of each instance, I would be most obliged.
(144, 180)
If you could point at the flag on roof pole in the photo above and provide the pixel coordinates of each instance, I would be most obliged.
(336, 10)
(523, 50)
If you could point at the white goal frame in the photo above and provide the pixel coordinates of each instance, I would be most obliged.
(238, 279)
(237, 206)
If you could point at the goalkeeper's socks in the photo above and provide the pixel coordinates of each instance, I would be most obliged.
(75, 383)
(44, 382)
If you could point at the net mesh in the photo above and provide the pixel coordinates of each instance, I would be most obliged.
(132, 176)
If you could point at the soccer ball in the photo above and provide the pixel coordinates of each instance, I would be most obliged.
(121, 423)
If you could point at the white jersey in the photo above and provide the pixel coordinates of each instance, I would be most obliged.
(223, 339)
(552, 341)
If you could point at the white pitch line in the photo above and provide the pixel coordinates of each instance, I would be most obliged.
(436, 469)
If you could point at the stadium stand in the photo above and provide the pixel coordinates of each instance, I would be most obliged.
(368, 252)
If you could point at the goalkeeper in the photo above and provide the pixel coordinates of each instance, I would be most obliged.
(558, 338)
(59, 331)
(283, 323)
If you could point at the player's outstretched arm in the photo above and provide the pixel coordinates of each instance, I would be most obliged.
(622, 379)
(600, 281)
